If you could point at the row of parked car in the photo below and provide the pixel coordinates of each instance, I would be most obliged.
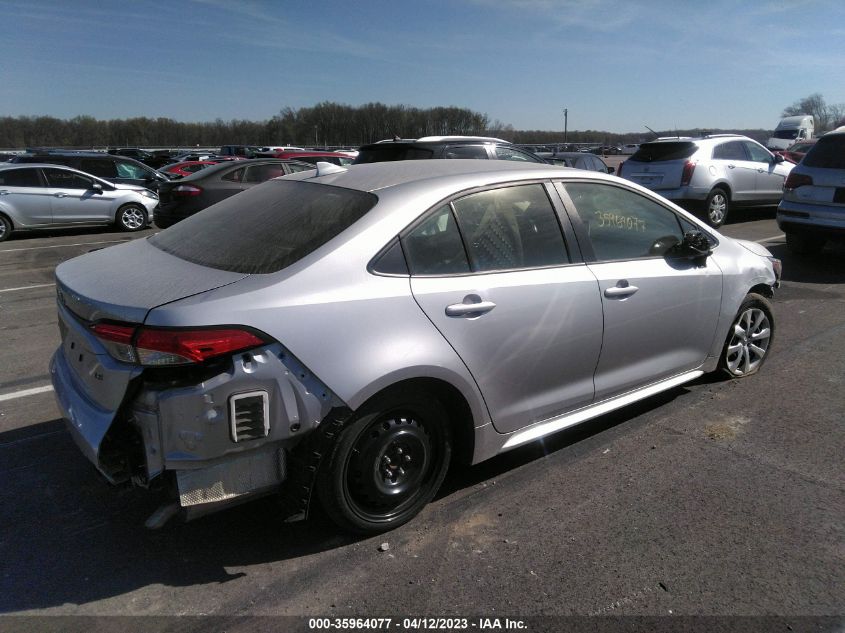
(709, 175)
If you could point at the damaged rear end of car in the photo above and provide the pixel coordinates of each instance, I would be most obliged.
(207, 411)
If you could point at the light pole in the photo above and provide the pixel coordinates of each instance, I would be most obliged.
(565, 123)
(316, 144)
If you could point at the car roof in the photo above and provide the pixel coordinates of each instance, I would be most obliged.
(375, 176)
(435, 140)
(7, 166)
(209, 171)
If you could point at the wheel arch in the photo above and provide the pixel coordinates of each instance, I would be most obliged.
(762, 289)
(724, 186)
(462, 421)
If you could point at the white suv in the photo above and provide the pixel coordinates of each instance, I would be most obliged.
(710, 174)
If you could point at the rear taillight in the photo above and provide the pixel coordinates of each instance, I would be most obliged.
(793, 181)
(686, 176)
(186, 190)
(161, 347)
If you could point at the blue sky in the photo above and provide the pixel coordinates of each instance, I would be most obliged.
(616, 66)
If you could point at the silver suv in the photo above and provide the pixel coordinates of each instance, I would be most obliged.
(710, 174)
(813, 207)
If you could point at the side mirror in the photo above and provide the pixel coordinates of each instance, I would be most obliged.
(97, 188)
(611, 170)
(695, 247)
(779, 158)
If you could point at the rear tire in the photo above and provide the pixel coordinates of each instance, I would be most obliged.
(801, 244)
(749, 339)
(387, 463)
(131, 217)
(716, 207)
(5, 228)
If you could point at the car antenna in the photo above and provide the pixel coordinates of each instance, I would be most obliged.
(656, 135)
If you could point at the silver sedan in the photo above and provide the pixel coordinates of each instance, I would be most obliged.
(345, 335)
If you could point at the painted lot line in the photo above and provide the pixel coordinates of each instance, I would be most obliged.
(27, 287)
(770, 239)
(38, 248)
(25, 392)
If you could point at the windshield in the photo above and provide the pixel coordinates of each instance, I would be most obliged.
(786, 134)
(266, 228)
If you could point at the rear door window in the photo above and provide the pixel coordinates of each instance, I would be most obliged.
(734, 150)
(234, 176)
(20, 178)
(260, 173)
(511, 153)
(435, 247)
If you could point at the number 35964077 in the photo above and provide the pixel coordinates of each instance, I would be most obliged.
(615, 220)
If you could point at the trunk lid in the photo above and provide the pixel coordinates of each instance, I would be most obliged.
(125, 282)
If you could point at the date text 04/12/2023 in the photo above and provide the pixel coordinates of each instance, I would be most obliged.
(416, 624)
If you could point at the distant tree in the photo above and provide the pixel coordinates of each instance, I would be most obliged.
(826, 116)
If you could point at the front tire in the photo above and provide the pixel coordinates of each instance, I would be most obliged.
(716, 207)
(5, 228)
(750, 338)
(387, 463)
(131, 217)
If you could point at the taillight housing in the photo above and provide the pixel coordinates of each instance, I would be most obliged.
(186, 191)
(793, 181)
(164, 347)
(686, 175)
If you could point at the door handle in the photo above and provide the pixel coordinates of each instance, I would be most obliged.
(731, 166)
(469, 309)
(60, 195)
(619, 291)
(4, 192)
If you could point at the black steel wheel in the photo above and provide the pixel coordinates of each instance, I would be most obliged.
(387, 463)
(749, 339)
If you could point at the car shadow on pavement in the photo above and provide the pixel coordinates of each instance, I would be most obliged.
(69, 538)
(826, 267)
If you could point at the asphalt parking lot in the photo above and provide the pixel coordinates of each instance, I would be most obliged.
(714, 499)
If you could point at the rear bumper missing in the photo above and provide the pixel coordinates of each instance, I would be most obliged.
(218, 438)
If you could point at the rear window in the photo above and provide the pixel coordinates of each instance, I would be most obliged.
(650, 152)
(266, 228)
(828, 152)
(385, 153)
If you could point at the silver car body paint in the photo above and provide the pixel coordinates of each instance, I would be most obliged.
(344, 333)
(42, 207)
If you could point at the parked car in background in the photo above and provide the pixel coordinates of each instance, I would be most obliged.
(812, 211)
(590, 162)
(245, 151)
(186, 167)
(709, 174)
(116, 169)
(40, 196)
(443, 147)
(152, 159)
(313, 157)
(280, 148)
(187, 196)
(354, 333)
(629, 148)
(794, 153)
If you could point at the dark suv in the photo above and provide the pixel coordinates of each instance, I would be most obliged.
(115, 169)
(444, 147)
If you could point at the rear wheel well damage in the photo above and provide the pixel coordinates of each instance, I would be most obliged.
(311, 454)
